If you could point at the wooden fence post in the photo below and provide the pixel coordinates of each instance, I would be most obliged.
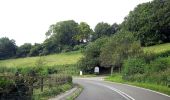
(49, 80)
(42, 84)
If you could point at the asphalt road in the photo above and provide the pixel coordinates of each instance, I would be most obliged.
(97, 89)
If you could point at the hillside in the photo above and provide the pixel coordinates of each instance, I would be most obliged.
(67, 58)
(55, 59)
(158, 48)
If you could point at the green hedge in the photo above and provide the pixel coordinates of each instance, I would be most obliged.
(156, 71)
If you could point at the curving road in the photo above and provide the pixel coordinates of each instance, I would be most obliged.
(97, 89)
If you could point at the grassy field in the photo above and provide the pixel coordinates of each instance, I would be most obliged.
(55, 59)
(67, 58)
(158, 48)
(118, 78)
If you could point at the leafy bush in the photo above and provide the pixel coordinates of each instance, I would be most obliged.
(4, 82)
(149, 56)
(91, 55)
(137, 69)
(150, 22)
(157, 65)
(79, 47)
(66, 48)
(133, 66)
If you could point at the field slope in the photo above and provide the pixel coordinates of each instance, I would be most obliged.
(67, 58)
(158, 48)
(55, 59)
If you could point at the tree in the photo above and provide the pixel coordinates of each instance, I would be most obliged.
(84, 32)
(91, 54)
(36, 50)
(104, 29)
(7, 48)
(64, 31)
(150, 22)
(61, 36)
(24, 50)
(120, 47)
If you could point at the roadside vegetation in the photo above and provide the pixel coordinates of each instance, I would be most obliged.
(117, 77)
(51, 92)
(138, 49)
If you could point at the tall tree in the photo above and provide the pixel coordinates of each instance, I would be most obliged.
(7, 48)
(64, 31)
(84, 32)
(120, 47)
(23, 50)
(150, 21)
(104, 29)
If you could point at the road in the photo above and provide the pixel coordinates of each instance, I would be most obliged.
(97, 89)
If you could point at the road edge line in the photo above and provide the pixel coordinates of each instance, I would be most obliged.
(140, 88)
(126, 96)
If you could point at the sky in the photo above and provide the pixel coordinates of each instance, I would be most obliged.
(26, 21)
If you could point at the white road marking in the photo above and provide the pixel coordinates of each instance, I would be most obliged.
(101, 79)
(126, 96)
(140, 88)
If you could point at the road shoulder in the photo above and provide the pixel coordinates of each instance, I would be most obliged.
(70, 94)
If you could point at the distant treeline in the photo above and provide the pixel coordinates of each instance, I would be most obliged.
(148, 22)
(63, 36)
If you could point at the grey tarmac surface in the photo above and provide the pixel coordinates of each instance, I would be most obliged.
(97, 89)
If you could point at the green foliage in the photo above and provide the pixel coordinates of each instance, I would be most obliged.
(7, 48)
(91, 54)
(156, 71)
(61, 37)
(104, 29)
(84, 32)
(23, 50)
(66, 48)
(4, 82)
(150, 21)
(48, 93)
(153, 86)
(80, 47)
(64, 35)
(157, 65)
(36, 50)
(120, 47)
(133, 66)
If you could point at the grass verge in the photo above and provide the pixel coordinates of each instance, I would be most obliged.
(155, 87)
(76, 93)
(51, 92)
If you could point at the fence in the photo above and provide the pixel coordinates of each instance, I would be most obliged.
(22, 87)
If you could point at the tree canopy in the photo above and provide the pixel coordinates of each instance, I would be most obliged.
(104, 29)
(150, 21)
(7, 48)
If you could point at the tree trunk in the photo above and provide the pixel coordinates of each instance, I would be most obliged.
(111, 70)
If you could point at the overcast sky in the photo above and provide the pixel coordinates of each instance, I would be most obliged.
(26, 21)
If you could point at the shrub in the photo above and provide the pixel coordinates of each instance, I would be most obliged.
(66, 48)
(157, 65)
(79, 47)
(133, 66)
(149, 56)
(91, 55)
